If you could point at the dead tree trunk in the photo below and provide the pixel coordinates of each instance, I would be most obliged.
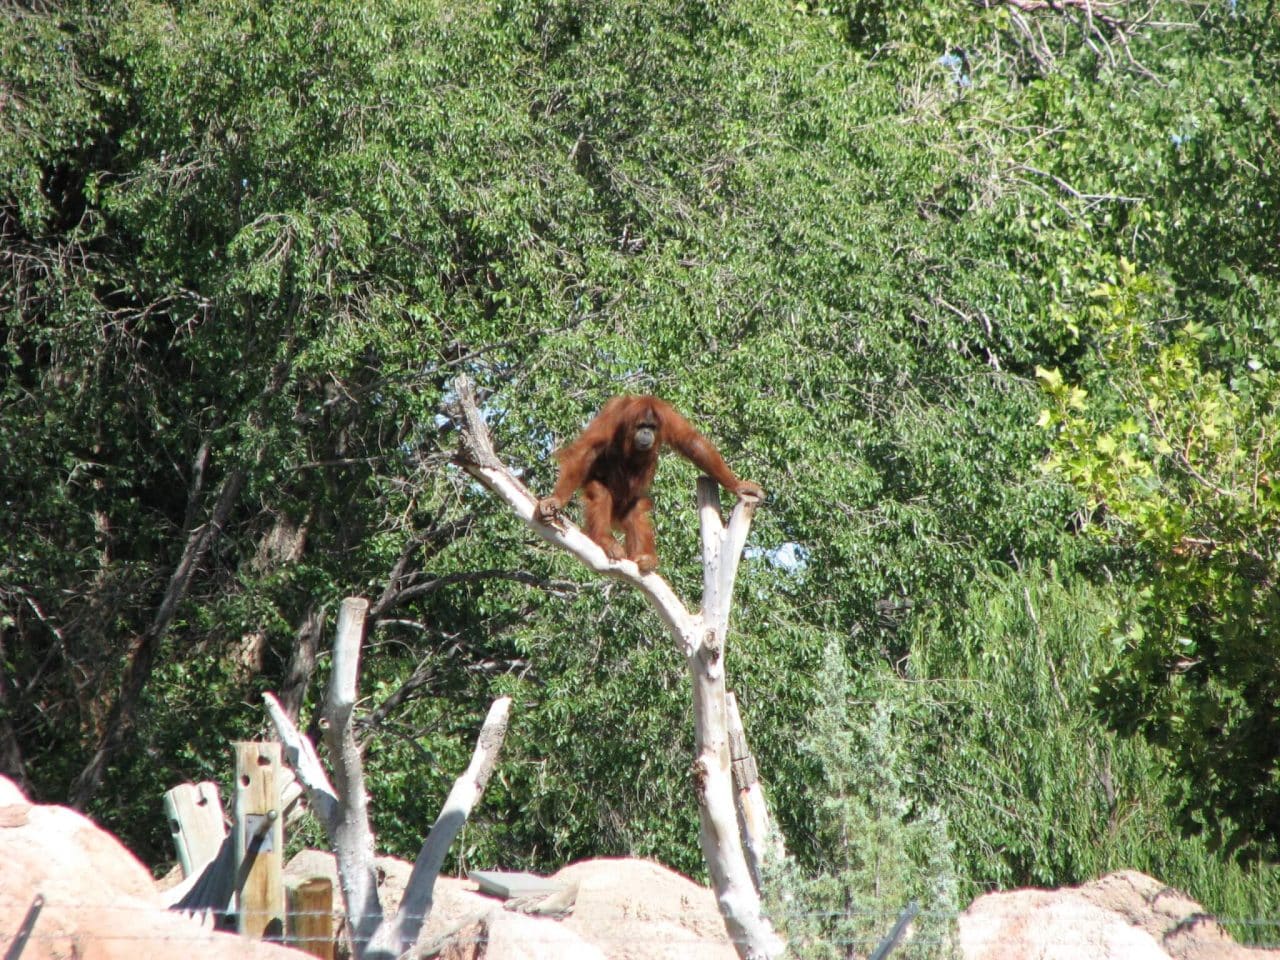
(343, 809)
(699, 636)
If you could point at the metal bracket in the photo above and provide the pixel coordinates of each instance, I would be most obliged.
(260, 837)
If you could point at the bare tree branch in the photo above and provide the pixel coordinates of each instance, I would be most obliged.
(302, 661)
(1106, 26)
(341, 804)
(302, 758)
(700, 637)
(401, 932)
(142, 653)
(392, 599)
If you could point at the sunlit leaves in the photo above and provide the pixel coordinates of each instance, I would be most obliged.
(863, 246)
(1173, 460)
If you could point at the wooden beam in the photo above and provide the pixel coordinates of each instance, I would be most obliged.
(311, 917)
(196, 823)
(259, 842)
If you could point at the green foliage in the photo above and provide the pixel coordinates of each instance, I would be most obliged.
(879, 848)
(248, 244)
(1036, 786)
(1178, 458)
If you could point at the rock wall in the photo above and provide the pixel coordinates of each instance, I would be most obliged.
(84, 895)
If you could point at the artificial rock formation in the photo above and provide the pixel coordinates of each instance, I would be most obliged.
(73, 890)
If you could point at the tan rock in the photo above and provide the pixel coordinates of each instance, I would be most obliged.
(624, 910)
(84, 895)
(505, 935)
(1123, 916)
(640, 910)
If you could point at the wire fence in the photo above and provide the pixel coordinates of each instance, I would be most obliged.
(888, 929)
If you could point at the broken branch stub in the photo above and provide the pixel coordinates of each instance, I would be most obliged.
(342, 804)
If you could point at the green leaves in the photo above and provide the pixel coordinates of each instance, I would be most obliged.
(950, 292)
(1175, 462)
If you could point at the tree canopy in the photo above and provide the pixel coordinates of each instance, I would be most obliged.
(984, 296)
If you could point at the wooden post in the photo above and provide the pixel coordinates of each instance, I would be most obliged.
(195, 819)
(259, 842)
(311, 917)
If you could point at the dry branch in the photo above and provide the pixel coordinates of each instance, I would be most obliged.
(341, 804)
(402, 931)
(699, 636)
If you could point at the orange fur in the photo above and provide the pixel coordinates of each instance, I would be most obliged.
(614, 474)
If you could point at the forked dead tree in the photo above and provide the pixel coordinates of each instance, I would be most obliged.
(342, 805)
(700, 637)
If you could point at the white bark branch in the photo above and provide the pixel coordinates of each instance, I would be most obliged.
(721, 833)
(301, 756)
(349, 831)
(721, 550)
(343, 809)
(700, 637)
(567, 536)
(401, 932)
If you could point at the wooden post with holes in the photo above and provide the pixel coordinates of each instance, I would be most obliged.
(194, 812)
(259, 842)
(311, 917)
